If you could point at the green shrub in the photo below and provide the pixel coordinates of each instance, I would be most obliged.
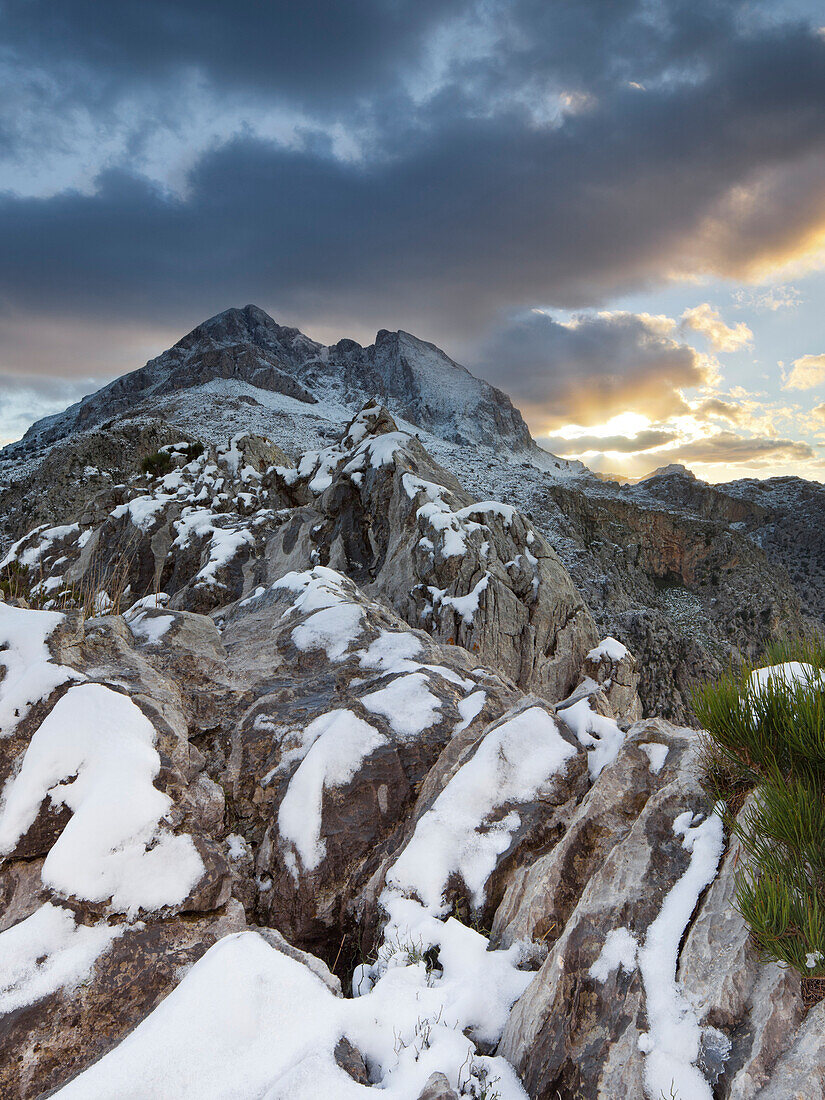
(771, 741)
(157, 464)
(14, 581)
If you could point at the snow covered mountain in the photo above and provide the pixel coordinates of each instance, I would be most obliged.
(243, 354)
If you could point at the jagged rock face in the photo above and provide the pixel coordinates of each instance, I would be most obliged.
(786, 520)
(578, 1027)
(685, 594)
(192, 533)
(329, 667)
(419, 383)
(472, 573)
(120, 870)
(375, 506)
(75, 471)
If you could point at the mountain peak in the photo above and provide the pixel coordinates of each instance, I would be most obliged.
(245, 357)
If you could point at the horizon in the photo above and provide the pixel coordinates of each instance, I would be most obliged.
(615, 215)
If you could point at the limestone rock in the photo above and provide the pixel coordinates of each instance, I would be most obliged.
(576, 1029)
(472, 573)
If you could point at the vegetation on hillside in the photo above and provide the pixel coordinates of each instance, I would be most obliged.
(765, 757)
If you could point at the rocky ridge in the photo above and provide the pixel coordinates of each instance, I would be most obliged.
(686, 574)
(316, 779)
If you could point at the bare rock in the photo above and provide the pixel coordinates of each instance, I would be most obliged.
(800, 1072)
(438, 1088)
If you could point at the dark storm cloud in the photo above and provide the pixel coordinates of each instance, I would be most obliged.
(464, 204)
(317, 52)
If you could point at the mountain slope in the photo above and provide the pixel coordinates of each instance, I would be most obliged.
(415, 380)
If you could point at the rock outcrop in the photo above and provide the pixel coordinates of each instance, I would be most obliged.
(316, 777)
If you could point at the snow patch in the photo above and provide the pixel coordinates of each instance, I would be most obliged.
(656, 755)
(29, 672)
(407, 704)
(610, 648)
(619, 950)
(599, 735)
(461, 831)
(672, 1045)
(340, 742)
(46, 952)
(94, 753)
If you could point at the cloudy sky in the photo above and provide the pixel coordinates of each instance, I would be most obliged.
(614, 210)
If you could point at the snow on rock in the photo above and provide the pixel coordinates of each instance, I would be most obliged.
(46, 952)
(333, 618)
(406, 703)
(673, 1043)
(461, 832)
(610, 648)
(143, 511)
(29, 672)
(469, 708)
(340, 741)
(620, 948)
(601, 736)
(466, 606)
(155, 600)
(149, 628)
(226, 539)
(95, 754)
(656, 754)
(357, 448)
(391, 652)
(249, 1022)
(45, 538)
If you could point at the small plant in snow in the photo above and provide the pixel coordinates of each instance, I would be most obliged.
(474, 1080)
(767, 735)
(406, 952)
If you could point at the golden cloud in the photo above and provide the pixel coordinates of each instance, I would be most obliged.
(708, 323)
(805, 373)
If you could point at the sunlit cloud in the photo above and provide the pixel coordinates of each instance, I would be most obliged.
(717, 407)
(588, 444)
(593, 367)
(727, 447)
(708, 323)
(806, 373)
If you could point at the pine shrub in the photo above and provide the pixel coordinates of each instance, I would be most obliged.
(769, 740)
(157, 464)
